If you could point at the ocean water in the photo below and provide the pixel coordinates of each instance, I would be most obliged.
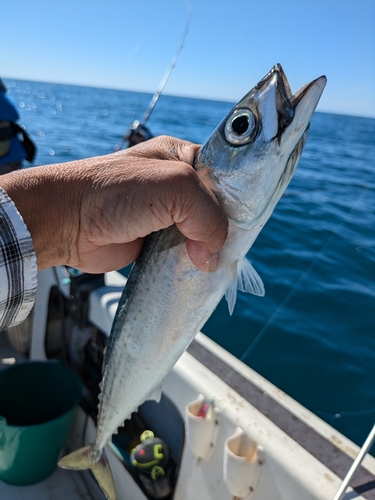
(313, 334)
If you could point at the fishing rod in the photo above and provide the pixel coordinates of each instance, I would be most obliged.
(162, 83)
(355, 465)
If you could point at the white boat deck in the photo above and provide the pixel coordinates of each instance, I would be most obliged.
(293, 439)
(61, 485)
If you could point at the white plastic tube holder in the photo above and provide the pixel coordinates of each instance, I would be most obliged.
(242, 461)
(201, 432)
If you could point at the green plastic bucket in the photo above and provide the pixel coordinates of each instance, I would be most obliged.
(37, 404)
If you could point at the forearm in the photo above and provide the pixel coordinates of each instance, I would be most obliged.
(44, 197)
(94, 214)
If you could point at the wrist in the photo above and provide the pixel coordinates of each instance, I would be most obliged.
(44, 199)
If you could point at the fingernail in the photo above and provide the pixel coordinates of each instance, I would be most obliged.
(213, 263)
(201, 256)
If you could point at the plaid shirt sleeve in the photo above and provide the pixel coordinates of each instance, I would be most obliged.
(18, 269)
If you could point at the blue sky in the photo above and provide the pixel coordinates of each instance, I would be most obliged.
(231, 45)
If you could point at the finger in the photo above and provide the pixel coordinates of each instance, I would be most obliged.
(203, 221)
(167, 148)
(202, 257)
(198, 214)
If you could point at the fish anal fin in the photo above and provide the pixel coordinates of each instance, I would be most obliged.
(245, 279)
(83, 459)
(155, 394)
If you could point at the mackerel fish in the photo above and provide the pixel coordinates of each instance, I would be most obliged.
(247, 162)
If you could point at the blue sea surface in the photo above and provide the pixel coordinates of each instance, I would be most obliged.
(313, 334)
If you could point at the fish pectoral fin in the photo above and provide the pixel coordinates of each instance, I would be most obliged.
(245, 279)
(83, 459)
(248, 279)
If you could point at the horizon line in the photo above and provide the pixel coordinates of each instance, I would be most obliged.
(202, 98)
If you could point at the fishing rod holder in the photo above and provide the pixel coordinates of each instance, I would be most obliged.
(202, 425)
(242, 463)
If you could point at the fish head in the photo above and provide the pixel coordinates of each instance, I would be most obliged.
(251, 156)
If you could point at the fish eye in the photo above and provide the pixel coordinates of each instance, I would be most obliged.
(240, 127)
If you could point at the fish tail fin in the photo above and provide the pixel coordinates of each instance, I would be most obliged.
(83, 459)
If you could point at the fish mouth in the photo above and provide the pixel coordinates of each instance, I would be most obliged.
(269, 105)
(286, 101)
(284, 97)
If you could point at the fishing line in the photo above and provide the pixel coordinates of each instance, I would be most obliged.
(165, 78)
(145, 40)
(172, 64)
(294, 290)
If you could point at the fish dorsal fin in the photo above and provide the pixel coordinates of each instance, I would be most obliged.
(245, 279)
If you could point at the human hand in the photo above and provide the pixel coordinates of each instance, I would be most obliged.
(94, 214)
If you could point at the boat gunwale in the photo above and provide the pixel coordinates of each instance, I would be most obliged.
(326, 451)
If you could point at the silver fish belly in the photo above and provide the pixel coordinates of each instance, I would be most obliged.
(247, 162)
